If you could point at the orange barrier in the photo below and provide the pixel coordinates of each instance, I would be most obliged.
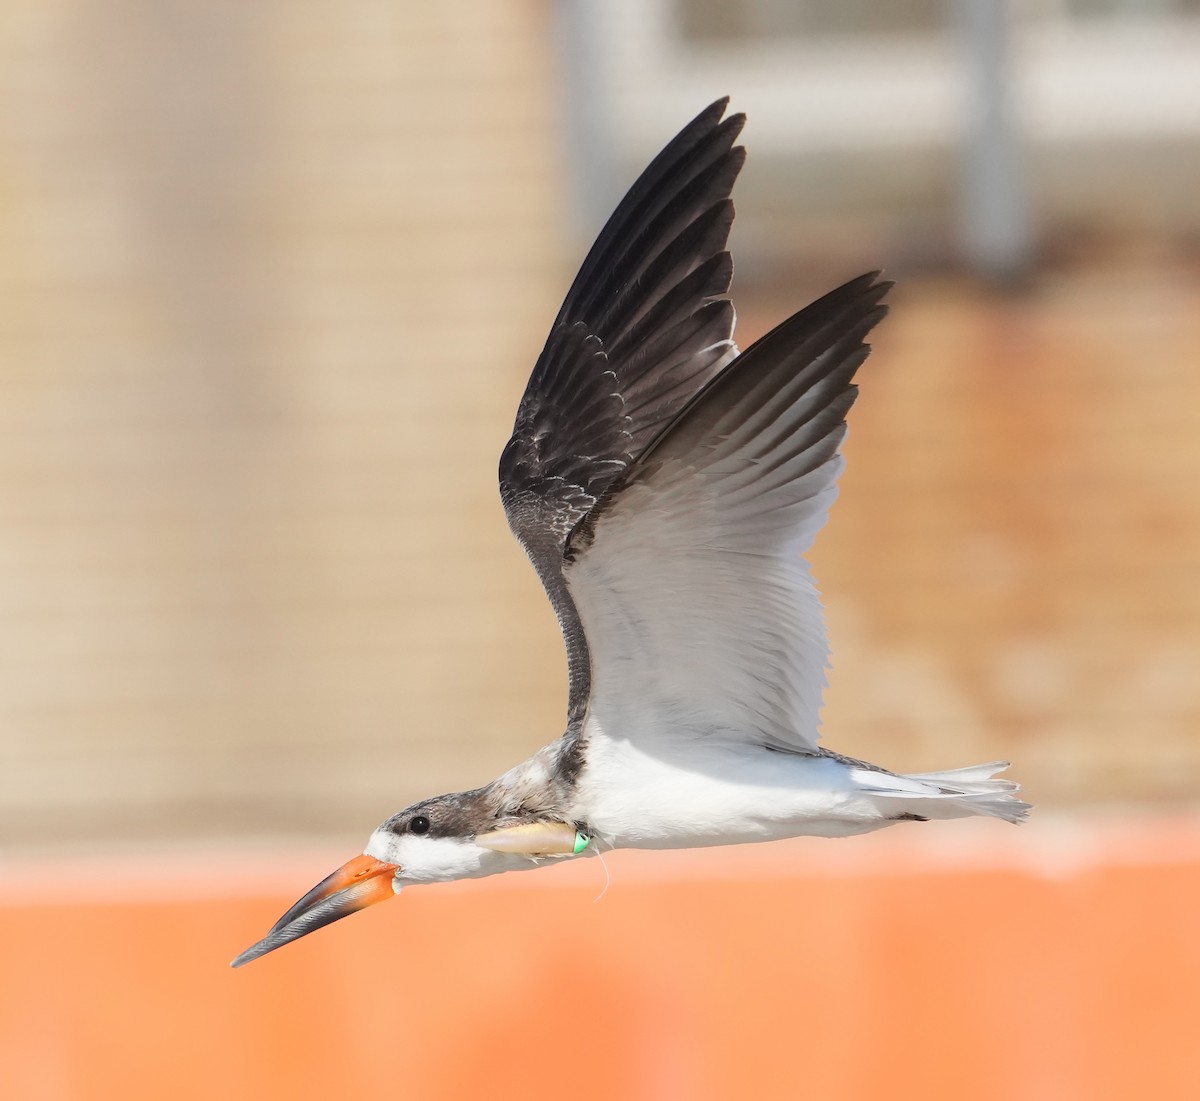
(980, 962)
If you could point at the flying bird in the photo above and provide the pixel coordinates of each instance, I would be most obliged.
(666, 487)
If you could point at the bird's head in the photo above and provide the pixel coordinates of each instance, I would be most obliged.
(433, 841)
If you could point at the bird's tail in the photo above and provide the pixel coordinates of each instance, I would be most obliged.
(955, 793)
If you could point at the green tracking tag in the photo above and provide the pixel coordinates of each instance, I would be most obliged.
(581, 843)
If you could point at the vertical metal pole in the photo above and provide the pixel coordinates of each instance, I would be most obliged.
(587, 115)
(996, 230)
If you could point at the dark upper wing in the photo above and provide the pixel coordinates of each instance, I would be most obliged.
(644, 326)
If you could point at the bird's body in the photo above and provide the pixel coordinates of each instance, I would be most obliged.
(732, 795)
(666, 488)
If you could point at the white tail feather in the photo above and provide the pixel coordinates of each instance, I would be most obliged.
(955, 793)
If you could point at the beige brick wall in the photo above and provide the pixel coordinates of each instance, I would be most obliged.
(1013, 569)
(273, 276)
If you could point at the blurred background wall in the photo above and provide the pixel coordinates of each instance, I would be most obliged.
(272, 277)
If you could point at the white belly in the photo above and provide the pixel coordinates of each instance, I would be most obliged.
(694, 793)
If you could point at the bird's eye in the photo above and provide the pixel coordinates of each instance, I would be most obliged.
(420, 824)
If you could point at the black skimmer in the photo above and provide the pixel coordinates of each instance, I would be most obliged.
(666, 487)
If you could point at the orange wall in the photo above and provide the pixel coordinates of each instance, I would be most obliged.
(1053, 962)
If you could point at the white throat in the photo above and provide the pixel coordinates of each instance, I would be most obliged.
(439, 859)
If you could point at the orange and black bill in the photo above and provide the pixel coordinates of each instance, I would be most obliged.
(353, 887)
